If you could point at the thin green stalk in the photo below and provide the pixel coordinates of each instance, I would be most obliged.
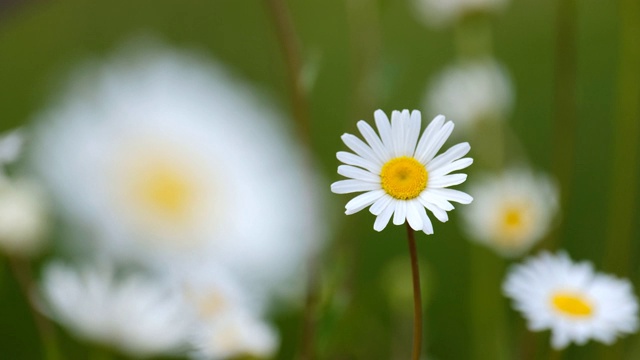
(417, 296)
(488, 320)
(624, 179)
(22, 272)
(565, 106)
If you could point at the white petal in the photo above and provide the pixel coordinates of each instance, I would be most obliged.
(358, 174)
(374, 141)
(353, 159)
(433, 127)
(452, 166)
(453, 195)
(362, 201)
(359, 147)
(435, 143)
(427, 227)
(380, 204)
(438, 212)
(400, 215)
(397, 133)
(413, 215)
(349, 186)
(384, 128)
(383, 219)
(432, 197)
(453, 153)
(446, 180)
(413, 132)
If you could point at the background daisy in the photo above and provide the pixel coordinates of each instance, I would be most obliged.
(572, 300)
(511, 211)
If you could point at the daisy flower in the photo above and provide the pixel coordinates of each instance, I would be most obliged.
(439, 13)
(471, 92)
(511, 211)
(572, 300)
(139, 316)
(235, 335)
(399, 172)
(24, 217)
(171, 160)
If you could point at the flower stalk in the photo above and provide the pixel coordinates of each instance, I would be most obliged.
(417, 295)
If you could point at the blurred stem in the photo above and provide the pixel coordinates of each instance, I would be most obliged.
(22, 272)
(290, 46)
(364, 37)
(624, 178)
(565, 112)
(555, 354)
(417, 295)
(473, 37)
(487, 306)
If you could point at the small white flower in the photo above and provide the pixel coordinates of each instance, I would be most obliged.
(235, 334)
(471, 92)
(171, 160)
(24, 219)
(511, 211)
(11, 144)
(439, 13)
(400, 174)
(136, 314)
(572, 300)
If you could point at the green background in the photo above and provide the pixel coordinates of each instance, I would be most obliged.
(368, 55)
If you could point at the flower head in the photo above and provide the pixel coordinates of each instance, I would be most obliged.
(572, 300)
(170, 159)
(511, 211)
(24, 218)
(399, 172)
(471, 92)
(439, 13)
(136, 315)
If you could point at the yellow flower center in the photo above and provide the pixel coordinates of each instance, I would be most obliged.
(404, 177)
(572, 304)
(165, 190)
(512, 218)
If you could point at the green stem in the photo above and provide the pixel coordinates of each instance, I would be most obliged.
(565, 107)
(417, 296)
(22, 272)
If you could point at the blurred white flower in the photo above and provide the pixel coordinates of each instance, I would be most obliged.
(511, 211)
(471, 92)
(399, 174)
(24, 218)
(440, 13)
(572, 300)
(11, 144)
(173, 161)
(235, 334)
(135, 314)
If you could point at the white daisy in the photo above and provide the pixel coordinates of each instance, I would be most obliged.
(24, 217)
(401, 175)
(511, 211)
(572, 300)
(234, 335)
(137, 315)
(439, 13)
(471, 92)
(170, 160)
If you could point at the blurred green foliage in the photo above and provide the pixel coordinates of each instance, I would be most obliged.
(41, 41)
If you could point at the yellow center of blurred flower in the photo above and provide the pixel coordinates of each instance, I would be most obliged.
(404, 177)
(572, 304)
(165, 190)
(512, 218)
